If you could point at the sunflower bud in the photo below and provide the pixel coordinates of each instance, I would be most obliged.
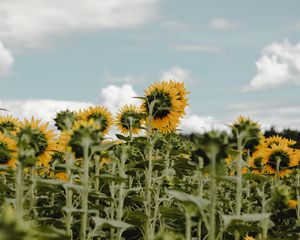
(85, 134)
(212, 144)
(247, 132)
(65, 120)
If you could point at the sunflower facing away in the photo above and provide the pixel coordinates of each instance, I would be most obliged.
(256, 163)
(9, 124)
(128, 118)
(42, 139)
(7, 151)
(285, 156)
(100, 115)
(167, 105)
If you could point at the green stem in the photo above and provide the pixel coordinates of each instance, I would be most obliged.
(85, 192)
(32, 190)
(264, 210)
(199, 230)
(200, 193)
(188, 225)
(112, 193)
(69, 196)
(213, 186)
(148, 225)
(121, 193)
(239, 184)
(19, 190)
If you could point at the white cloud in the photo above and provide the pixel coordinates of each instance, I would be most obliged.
(274, 113)
(113, 97)
(195, 124)
(196, 48)
(278, 65)
(176, 73)
(41, 109)
(223, 24)
(32, 23)
(6, 60)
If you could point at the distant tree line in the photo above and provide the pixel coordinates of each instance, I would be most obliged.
(287, 133)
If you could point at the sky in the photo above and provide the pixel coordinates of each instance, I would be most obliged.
(235, 57)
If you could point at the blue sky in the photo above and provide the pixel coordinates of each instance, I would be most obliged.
(72, 50)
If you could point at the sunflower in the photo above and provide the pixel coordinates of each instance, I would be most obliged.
(9, 123)
(62, 142)
(7, 151)
(292, 203)
(163, 103)
(247, 130)
(277, 140)
(100, 115)
(181, 95)
(36, 136)
(287, 157)
(256, 163)
(129, 118)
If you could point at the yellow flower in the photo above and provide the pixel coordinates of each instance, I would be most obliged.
(62, 142)
(128, 118)
(43, 140)
(101, 116)
(256, 163)
(286, 157)
(61, 176)
(292, 203)
(165, 104)
(7, 151)
(182, 95)
(9, 124)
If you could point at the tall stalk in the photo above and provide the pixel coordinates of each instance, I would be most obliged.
(85, 192)
(32, 191)
(69, 196)
(188, 224)
(264, 210)
(200, 193)
(19, 190)
(212, 188)
(239, 182)
(149, 231)
(121, 192)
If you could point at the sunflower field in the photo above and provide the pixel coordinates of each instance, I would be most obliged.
(149, 182)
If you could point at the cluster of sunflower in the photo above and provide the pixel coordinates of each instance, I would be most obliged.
(161, 109)
(274, 156)
(28, 141)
